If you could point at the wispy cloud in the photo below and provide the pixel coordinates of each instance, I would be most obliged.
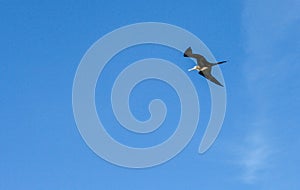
(270, 38)
(270, 46)
(254, 157)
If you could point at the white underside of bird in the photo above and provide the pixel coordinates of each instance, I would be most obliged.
(198, 68)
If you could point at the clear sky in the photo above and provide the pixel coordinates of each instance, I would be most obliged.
(42, 43)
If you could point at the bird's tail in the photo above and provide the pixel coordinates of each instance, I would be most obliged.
(221, 62)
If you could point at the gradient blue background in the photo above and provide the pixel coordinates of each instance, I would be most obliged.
(42, 43)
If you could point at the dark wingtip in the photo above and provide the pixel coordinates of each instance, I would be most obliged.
(185, 55)
(219, 84)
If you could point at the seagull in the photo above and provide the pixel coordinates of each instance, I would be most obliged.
(203, 66)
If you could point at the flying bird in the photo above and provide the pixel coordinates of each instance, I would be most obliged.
(203, 66)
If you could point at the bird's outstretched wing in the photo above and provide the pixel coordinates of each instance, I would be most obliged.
(207, 74)
(201, 61)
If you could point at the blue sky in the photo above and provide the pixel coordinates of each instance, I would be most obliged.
(42, 44)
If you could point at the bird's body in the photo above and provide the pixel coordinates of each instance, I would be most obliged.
(203, 66)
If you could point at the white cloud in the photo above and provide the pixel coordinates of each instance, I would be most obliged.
(254, 157)
(271, 48)
(270, 64)
(269, 27)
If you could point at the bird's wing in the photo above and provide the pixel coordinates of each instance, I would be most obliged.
(188, 52)
(207, 74)
(201, 61)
